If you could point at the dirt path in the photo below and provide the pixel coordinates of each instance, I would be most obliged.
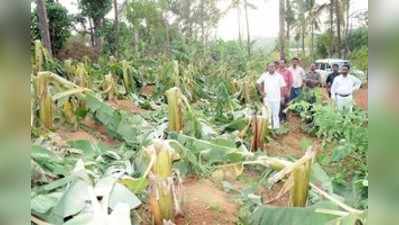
(206, 204)
(291, 144)
(126, 105)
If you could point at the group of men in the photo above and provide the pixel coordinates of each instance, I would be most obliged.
(281, 83)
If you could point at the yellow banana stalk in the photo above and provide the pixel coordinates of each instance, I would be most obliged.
(69, 109)
(163, 197)
(109, 86)
(175, 111)
(46, 111)
(82, 76)
(127, 81)
(300, 189)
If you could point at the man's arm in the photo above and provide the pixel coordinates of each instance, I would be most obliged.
(333, 89)
(260, 85)
(261, 88)
(329, 80)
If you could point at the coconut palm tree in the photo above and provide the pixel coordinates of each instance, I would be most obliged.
(282, 29)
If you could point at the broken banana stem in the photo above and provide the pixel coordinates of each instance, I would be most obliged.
(309, 155)
(336, 201)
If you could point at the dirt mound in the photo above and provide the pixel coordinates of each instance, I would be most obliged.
(67, 135)
(361, 98)
(126, 105)
(205, 204)
(99, 131)
(147, 90)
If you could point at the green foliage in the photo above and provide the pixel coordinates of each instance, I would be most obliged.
(357, 39)
(60, 24)
(323, 43)
(360, 58)
(95, 8)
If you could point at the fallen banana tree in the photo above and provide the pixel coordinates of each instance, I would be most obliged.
(298, 184)
(180, 114)
(45, 100)
(259, 129)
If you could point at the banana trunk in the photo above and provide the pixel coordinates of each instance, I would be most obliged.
(175, 118)
(300, 190)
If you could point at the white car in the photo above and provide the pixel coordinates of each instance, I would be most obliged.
(324, 67)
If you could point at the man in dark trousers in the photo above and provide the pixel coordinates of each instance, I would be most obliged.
(331, 77)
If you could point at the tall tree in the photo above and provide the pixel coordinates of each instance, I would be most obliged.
(248, 5)
(338, 15)
(290, 20)
(44, 25)
(59, 24)
(282, 29)
(238, 7)
(301, 27)
(331, 28)
(96, 10)
(116, 28)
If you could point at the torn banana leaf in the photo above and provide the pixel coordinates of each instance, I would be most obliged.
(211, 152)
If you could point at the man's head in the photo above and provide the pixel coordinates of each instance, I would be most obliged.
(282, 63)
(295, 62)
(335, 67)
(313, 67)
(271, 67)
(345, 70)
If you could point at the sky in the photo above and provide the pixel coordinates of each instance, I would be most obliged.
(263, 22)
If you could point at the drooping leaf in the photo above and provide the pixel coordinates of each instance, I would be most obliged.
(135, 185)
(120, 194)
(289, 216)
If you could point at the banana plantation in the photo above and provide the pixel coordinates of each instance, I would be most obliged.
(169, 132)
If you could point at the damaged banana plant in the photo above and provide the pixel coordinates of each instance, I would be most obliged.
(165, 195)
(45, 100)
(298, 180)
(109, 87)
(179, 112)
(258, 127)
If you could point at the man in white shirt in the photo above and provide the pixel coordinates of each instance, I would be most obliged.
(343, 87)
(298, 74)
(270, 86)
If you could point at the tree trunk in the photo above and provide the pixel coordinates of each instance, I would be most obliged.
(91, 27)
(338, 21)
(347, 11)
(248, 34)
(116, 29)
(288, 31)
(97, 37)
(312, 41)
(302, 25)
(167, 49)
(332, 46)
(239, 24)
(282, 29)
(43, 25)
(203, 31)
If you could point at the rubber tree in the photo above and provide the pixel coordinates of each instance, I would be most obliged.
(43, 25)
(96, 10)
